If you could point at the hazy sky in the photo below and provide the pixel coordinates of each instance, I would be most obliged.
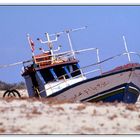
(106, 26)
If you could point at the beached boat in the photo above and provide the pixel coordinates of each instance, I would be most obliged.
(58, 75)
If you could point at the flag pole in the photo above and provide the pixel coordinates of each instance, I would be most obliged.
(29, 41)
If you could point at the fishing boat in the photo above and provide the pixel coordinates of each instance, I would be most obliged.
(58, 75)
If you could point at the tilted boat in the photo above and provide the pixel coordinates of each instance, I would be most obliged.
(58, 75)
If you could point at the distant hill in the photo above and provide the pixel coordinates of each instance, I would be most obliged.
(6, 86)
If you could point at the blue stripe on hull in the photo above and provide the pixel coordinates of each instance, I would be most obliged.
(125, 94)
(120, 97)
(117, 97)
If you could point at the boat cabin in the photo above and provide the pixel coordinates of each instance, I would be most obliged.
(49, 75)
(50, 71)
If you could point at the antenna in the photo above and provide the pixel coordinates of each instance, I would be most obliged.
(126, 49)
(49, 42)
(68, 30)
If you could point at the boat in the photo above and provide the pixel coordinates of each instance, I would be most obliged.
(57, 75)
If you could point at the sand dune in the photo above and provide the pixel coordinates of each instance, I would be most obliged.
(31, 116)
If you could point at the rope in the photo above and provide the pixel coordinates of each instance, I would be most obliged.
(9, 65)
(14, 64)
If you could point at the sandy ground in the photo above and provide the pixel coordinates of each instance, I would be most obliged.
(31, 116)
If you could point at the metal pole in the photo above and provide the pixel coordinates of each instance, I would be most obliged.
(50, 45)
(28, 37)
(70, 43)
(98, 59)
(126, 49)
(49, 42)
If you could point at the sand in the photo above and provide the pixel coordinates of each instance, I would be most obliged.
(32, 116)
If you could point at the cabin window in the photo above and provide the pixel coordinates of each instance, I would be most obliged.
(76, 70)
(53, 74)
(47, 75)
(61, 72)
(68, 70)
(56, 73)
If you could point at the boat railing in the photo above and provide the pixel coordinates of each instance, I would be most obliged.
(65, 80)
(69, 56)
(46, 59)
(84, 74)
(112, 58)
(69, 53)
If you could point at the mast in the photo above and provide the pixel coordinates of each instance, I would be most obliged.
(70, 43)
(69, 37)
(49, 42)
(50, 45)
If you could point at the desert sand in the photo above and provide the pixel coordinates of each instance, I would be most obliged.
(32, 116)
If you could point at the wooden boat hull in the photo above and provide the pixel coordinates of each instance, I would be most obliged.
(121, 86)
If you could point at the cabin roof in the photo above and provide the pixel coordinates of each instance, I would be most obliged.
(31, 69)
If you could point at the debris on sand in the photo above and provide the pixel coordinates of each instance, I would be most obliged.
(32, 116)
